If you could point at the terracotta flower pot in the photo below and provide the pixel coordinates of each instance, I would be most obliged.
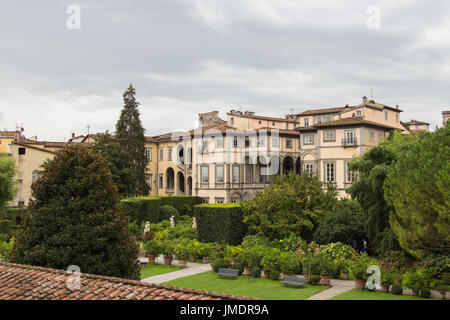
(325, 279)
(267, 274)
(151, 258)
(192, 257)
(415, 292)
(399, 281)
(205, 259)
(360, 284)
(307, 277)
(248, 270)
(182, 262)
(168, 260)
(385, 288)
(345, 275)
(233, 261)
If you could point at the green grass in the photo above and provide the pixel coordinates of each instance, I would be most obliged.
(259, 288)
(151, 270)
(368, 295)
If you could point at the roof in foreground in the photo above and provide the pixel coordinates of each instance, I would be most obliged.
(23, 282)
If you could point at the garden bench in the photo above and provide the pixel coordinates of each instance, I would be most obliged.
(230, 273)
(293, 281)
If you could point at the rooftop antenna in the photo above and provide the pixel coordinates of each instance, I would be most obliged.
(292, 110)
(88, 127)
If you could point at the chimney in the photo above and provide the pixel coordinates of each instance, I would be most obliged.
(396, 107)
(364, 100)
(73, 134)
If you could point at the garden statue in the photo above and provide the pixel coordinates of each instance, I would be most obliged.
(147, 227)
(172, 222)
(194, 223)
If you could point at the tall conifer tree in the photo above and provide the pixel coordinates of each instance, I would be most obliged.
(130, 136)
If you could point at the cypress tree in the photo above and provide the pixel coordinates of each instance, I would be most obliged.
(130, 136)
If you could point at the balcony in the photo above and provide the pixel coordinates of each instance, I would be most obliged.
(348, 143)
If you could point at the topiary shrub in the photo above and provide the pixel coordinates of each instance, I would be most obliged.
(274, 274)
(314, 279)
(425, 293)
(75, 205)
(256, 272)
(181, 203)
(220, 223)
(397, 289)
(220, 263)
(166, 212)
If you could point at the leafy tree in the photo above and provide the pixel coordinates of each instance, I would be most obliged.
(372, 168)
(345, 225)
(7, 185)
(418, 188)
(74, 219)
(292, 204)
(130, 136)
(118, 159)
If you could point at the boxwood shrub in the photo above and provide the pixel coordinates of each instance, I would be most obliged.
(220, 223)
(5, 226)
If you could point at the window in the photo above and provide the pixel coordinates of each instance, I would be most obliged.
(204, 174)
(329, 136)
(235, 200)
(306, 122)
(219, 173)
(259, 122)
(149, 180)
(289, 143)
(22, 151)
(349, 138)
(161, 154)
(219, 142)
(380, 137)
(220, 200)
(350, 175)
(275, 141)
(232, 121)
(21, 204)
(235, 142)
(317, 120)
(287, 126)
(330, 172)
(309, 168)
(358, 113)
(204, 146)
(148, 154)
(235, 174)
(328, 119)
(372, 136)
(273, 124)
(385, 115)
(309, 139)
(396, 118)
(169, 153)
(35, 175)
(160, 182)
(20, 181)
(262, 141)
(247, 142)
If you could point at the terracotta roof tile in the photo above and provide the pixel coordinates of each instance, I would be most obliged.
(22, 282)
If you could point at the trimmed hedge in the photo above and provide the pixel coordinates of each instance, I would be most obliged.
(148, 208)
(220, 222)
(142, 209)
(5, 226)
(179, 201)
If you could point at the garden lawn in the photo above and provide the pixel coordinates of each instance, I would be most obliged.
(151, 270)
(368, 295)
(258, 288)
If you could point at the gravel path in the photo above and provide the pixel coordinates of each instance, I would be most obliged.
(338, 287)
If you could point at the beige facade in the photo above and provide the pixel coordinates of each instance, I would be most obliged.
(230, 160)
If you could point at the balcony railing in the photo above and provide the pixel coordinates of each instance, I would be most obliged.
(349, 142)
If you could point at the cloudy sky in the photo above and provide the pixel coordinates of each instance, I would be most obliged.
(191, 56)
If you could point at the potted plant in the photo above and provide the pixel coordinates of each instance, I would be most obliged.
(182, 253)
(344, 271)
(249, 258)
(167, 251)
(326, 268)
(441, 286)
(192, 248)
(387, 280)
(414, 281)
(311, 265)
(358, 267)
(233, 252)
(289, 262)
(204, 250)
(271, 261)
(153, 249)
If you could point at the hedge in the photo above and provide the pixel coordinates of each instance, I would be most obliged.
(220, 222)
(179, 201)
(5, 226)
(142, 209)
